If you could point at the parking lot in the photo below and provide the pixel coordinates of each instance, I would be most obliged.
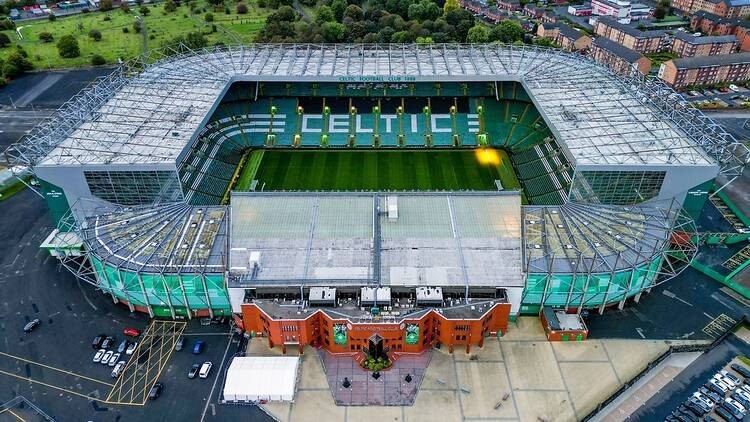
(676, 393)
(723, 97)
(52, 366)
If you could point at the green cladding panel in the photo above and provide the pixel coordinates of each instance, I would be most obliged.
(56, 200)
(165, 293)
(696, 199)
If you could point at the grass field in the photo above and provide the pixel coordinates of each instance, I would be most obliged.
(161, 26)
(330, 170)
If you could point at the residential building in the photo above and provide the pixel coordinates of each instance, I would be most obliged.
(706, 70)
(619, 58)
(642, 41)
(640, 11)
(511, 5)
(688, 45)
(533, 11)
(566, 37)
(723, 8)
(716, 25)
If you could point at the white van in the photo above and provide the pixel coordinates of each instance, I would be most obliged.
(205, 369)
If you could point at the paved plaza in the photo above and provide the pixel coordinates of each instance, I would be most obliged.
(520, 377)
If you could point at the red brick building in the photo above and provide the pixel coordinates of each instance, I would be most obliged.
(716, 25)
(457, 328)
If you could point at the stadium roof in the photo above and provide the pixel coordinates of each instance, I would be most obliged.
(431, 239)
(591, 238)
(148, 110)
(174, 237)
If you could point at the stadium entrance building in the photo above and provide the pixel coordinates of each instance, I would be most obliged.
(386, 189)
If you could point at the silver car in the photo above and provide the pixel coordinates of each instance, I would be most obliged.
(113, 360)
(118, 369)
(107, 356)
(99, 355)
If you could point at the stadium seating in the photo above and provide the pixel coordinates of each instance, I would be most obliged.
(363, 115)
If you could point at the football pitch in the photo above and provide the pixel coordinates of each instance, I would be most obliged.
(376, 170)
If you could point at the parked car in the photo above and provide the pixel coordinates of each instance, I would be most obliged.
(155, 391)
(131, 348)
(709, 418)
(724, 383)
(703, 399)
(698, 407)
(717, 386)
(741, 369)
(193, 370)
(99, 355)
(735, 379)
(114, 359)
(118, 369)
(96, 343)
(123, 345)
(132, 332)
(205, 370)
(715, 398)
(724, 89)
(180, 343)
(198, 347)
(724, 413)
(108, 342)
(736, 404)
(734, 88)
(741, 399)
(687, 413)
(107, 356)
(31, 325)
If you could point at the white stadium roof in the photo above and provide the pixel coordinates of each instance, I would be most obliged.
(256, 378)
(149, 110)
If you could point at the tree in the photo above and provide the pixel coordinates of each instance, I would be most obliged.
(95, 35)
(450, 5)
(4, 40)
(67, 47)
(124, 7)
(97, 60)
(324, 14)
(209, 17)
(424, 10)
(144, 10)
(195, 41)
(507, 32)
(241, 8)
(46, 37)
(478, 34)
(16, 64)
(333, 31)
(338, 7)
(105, 5)
(354, 13)
(660, 12)
(137, 26)
(170, 6)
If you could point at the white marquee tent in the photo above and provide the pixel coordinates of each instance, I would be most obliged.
(256, 378)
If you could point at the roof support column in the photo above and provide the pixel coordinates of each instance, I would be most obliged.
(145, 296)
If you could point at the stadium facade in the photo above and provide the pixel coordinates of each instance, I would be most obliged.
(140, 172)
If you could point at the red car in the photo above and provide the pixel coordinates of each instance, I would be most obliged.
(132, 332)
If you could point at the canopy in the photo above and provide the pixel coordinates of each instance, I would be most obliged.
(253, 379)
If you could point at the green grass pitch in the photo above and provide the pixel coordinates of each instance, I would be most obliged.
(374, 170)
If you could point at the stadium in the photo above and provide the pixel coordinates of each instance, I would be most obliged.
(355, 196)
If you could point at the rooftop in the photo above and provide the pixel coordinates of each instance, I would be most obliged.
(631, 30)
(149, 110)
(437, 239)
(710, 61)
(710, 39)
(619, 50)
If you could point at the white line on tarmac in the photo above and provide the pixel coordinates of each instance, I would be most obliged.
(218, 374)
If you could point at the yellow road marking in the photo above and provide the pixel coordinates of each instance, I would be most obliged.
(128, 386)
(18, 417)
(56, 369)
(51, 386)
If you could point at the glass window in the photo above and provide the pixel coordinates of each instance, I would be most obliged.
(134, 187)
(616, 187)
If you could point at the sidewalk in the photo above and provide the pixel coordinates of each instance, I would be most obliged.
(650, 384)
